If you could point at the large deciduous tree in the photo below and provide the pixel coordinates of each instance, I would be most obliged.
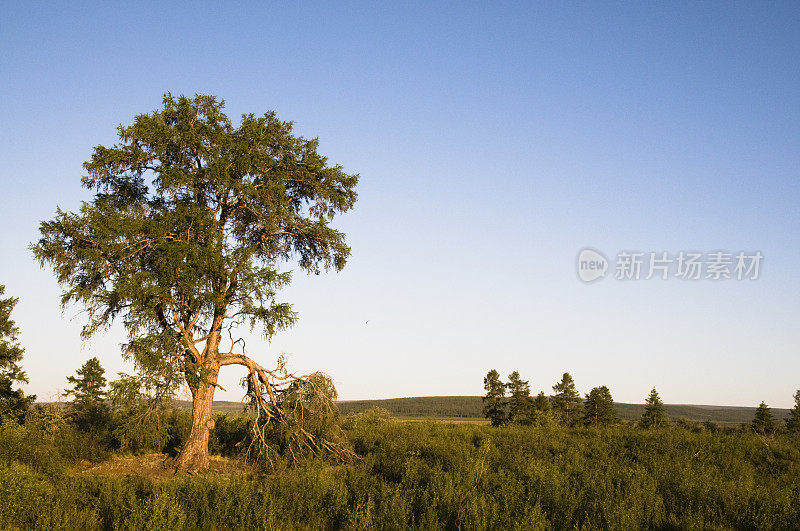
(13, 402)
(184, 240)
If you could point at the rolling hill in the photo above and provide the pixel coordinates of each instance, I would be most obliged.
(470, 407)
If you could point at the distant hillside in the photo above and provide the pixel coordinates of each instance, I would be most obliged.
(470, 407)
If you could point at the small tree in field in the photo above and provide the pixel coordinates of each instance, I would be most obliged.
(763, 422)
(567, 400)
(520, 405)
(793, 422)
(184, 240)
(599, 408)
(653, 415)
(13, 402)
(494, 403)
(89, 407)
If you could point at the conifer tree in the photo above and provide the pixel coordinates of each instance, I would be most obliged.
(542, 408)
(599, 408)
(793, 422)
(520, 408)
(542, 403)
(567, 400)
(653, 415)
(89, 407)
(13, 402)
(89, 383)
(494, 403)
(763, 421)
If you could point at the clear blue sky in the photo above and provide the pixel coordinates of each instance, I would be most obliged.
(493, 142)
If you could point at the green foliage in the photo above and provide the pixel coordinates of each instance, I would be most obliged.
(520, 404)
(567, 401)
(495, 407)
(653, 415)
(435, 475)
(599, 408)
(139, 411)
(793, 422)
(190, 216)
(13, 402)
(309, 423)
(763, 421)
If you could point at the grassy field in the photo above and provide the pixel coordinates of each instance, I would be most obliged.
(415, 475)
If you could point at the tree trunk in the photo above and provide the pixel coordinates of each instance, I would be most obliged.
(194, 454)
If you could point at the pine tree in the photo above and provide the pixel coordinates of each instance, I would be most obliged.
(13, 402)
(494, 403)
(763, 421)
(542, 403)
(567, 400)
(89, 383)
(653, 416)
(520, 403)
(599, 408)
(793, 422)
(89, 408)
(542, 408)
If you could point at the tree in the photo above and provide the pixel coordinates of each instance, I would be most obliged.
(541, 404)
(89, 383)
(543, 410)
(653, 415)
(191, 222)
(599, 407)
(13, 402)
(763, 421)
(567, 400)
(520, 406)
(88, 406)
(793, 422)
(494, 403)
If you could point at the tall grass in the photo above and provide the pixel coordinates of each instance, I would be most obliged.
(435, 475)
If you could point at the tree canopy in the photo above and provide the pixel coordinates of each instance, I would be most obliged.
(185, 239)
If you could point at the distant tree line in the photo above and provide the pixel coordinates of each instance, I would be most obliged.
(511, 403)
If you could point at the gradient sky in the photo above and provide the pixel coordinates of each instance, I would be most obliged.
(493, 143)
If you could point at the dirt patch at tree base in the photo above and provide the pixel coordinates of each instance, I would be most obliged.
(159, 467)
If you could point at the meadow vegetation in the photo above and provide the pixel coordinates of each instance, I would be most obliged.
(422, 475)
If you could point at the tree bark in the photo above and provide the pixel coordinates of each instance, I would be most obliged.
(194, 454)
